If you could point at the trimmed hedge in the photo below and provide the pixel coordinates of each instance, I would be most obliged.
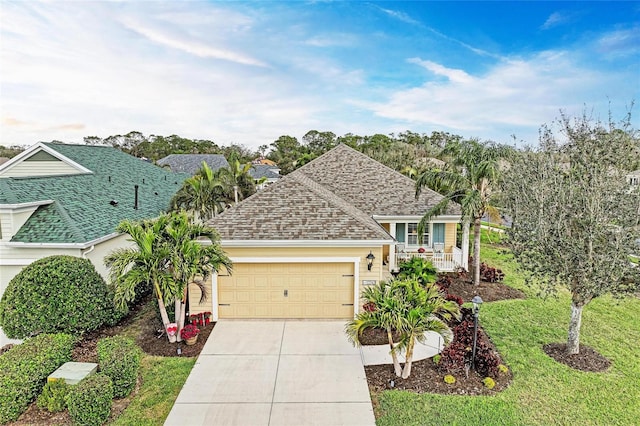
(57, 294)
(24, 370)
(90, 400)
(54, 396)
(119, 358)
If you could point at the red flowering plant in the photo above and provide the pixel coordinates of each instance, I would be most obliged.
(421, 250)
(189, 331)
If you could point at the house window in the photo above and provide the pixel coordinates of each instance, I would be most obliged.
(412, 235)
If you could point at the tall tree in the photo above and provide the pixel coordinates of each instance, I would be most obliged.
(575, 219)
(204, 195)
(166, 254)
(467, 178)
(237, 178)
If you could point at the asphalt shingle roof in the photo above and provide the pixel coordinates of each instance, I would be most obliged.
(369, 185)
(296, 208)
(81, 211)
(191, 163)
(331, 198)
(258, 171)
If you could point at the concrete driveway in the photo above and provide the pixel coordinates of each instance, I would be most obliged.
(280, 372)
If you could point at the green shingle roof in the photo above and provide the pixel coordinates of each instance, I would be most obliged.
(82, 211)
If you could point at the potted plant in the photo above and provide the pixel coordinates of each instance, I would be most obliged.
(190, 334)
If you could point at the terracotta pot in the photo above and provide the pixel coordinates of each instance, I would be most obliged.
(191, 341)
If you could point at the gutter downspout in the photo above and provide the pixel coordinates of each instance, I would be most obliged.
(89, 250)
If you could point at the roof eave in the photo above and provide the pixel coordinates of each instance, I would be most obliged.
(19, 206)
(305, 243)
(20, 244)
(453, 218)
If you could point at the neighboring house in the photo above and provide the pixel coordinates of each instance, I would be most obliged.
(264, 174)
(305, 246)
(191, 163)
(68, 199)
(633, 178)
(262, 160)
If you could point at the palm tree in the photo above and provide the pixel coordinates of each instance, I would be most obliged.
(424, 309)
(408, 308)
(466, 179)
(203, 195)
(168, 255)
(383, 314)
(238, 179)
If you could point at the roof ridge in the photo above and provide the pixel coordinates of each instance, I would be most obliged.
(70, 223)
(343, 205)
(362, 154)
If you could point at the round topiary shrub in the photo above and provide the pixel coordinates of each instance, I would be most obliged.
(55, 294)
(90, 400)
(119, 358)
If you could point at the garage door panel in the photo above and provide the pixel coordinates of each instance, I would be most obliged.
(314, 290)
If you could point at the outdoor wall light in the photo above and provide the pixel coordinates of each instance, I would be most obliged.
(370, 258)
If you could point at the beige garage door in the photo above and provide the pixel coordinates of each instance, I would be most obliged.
(287, 290)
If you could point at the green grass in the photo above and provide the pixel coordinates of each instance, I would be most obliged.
(542, 391)
(162, 379)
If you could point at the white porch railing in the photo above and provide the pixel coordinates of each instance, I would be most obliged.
(445, 262)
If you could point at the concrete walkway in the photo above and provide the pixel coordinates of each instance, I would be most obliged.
(379, 354)
(283, 372)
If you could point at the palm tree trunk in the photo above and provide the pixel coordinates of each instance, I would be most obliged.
(394, 354)
(573, 342)
(165, 319)
(179, 317)
(476, 251)
(409, 357)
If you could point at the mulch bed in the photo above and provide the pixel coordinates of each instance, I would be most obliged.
(490, 292)
(588, 359)
(425, 376)
(148, 338)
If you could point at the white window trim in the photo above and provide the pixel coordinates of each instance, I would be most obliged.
(427, 244)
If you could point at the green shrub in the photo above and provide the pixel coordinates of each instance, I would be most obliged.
(119, 358)
(24, 370)
(90, 400)
(503, 369)
(489, 382)
(57, 294)
(449, 379)
(53, 396)
(420, 269)
(436, 359)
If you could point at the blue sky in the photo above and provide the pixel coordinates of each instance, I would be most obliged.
(249, 72)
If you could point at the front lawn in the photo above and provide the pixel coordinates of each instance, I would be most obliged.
(162, 379)
(542, 391)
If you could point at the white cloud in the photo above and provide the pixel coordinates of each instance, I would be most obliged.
(189, 45)
(556, 19)
(515, 96)
(620, 43)
(401, 16)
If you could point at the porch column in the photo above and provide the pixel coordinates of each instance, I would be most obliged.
(392, 247)
(465, 244)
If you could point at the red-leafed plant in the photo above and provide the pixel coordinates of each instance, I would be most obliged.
(369, 307)
(189, 331)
